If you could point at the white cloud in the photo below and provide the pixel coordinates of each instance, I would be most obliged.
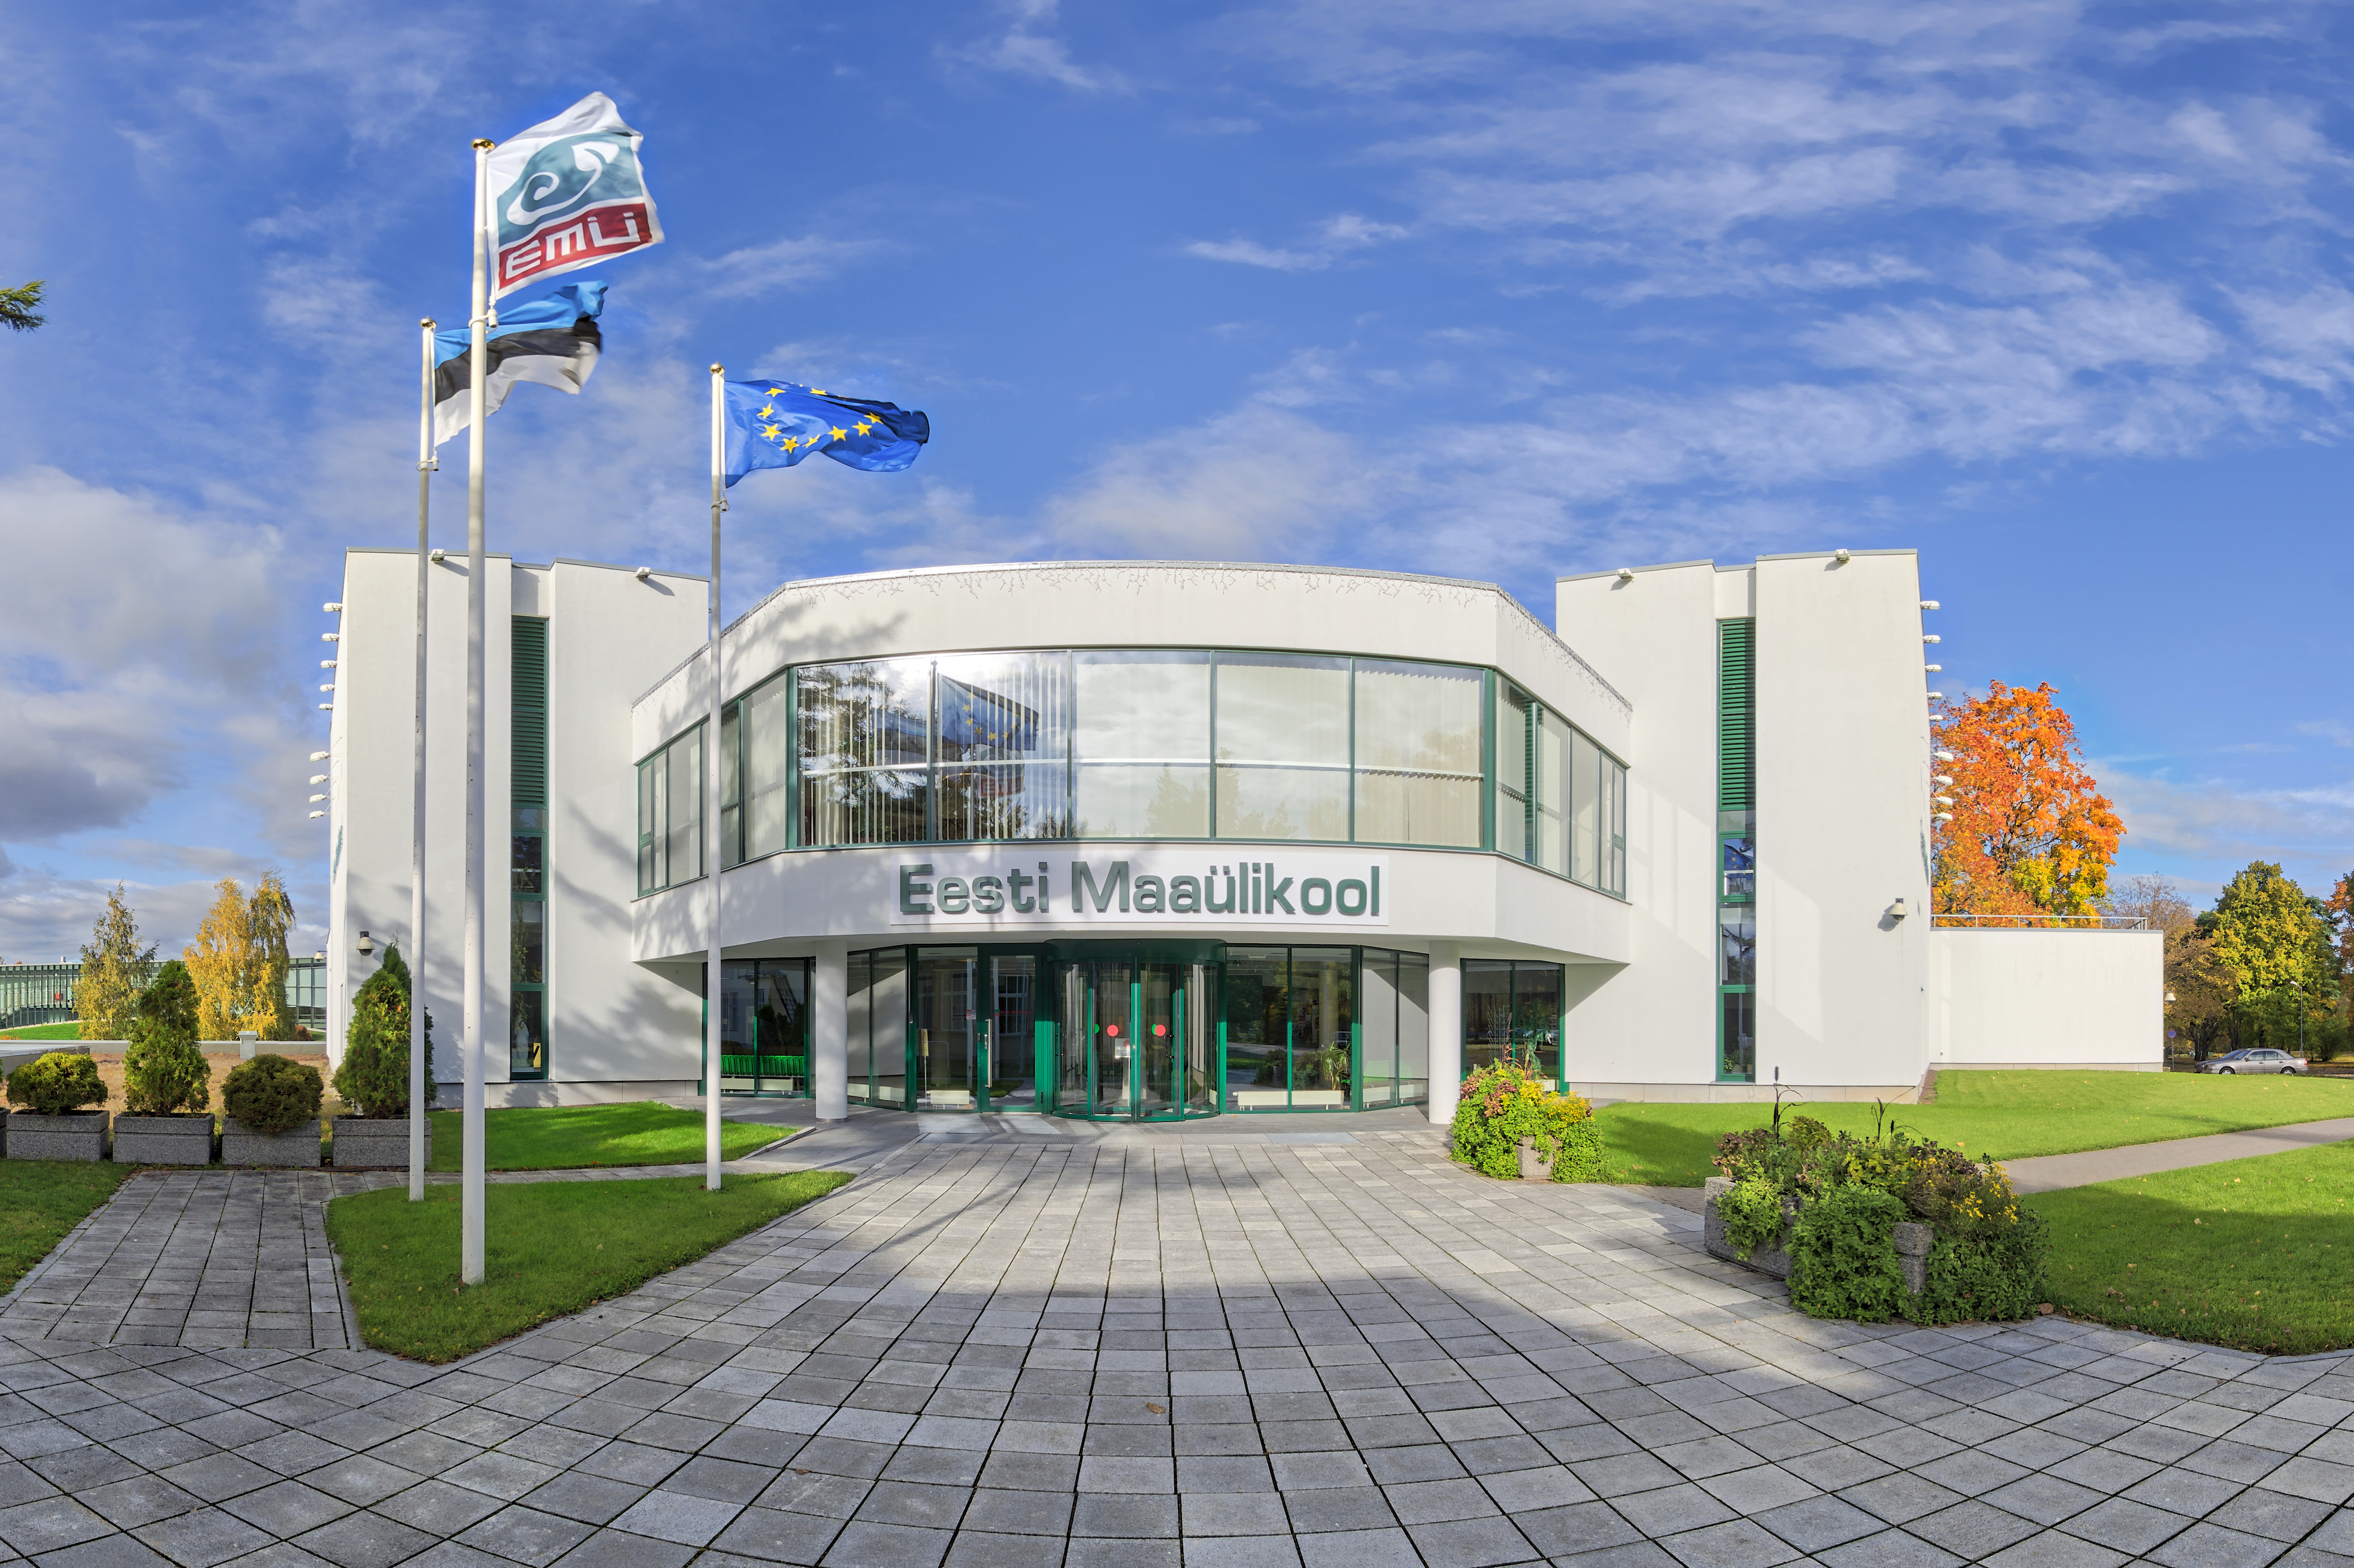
(1025, 48)
(1337, 237)
(786, 263)
(2224, 824)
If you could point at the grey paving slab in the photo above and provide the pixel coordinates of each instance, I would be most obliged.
(1010, 1343)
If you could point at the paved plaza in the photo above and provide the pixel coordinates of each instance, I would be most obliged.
(1133, 1349)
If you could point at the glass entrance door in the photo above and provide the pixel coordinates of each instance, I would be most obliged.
(1134, 1040)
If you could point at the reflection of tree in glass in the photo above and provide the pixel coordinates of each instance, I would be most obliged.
(1180, 806)
(863, 743)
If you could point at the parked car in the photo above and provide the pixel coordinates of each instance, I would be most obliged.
(2254, 1061)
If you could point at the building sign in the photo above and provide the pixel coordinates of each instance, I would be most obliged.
(1010, 887)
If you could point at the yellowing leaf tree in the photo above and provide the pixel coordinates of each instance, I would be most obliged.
(239, 961)
(114, 971)
(2032, 834)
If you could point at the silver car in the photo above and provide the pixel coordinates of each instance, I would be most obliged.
(2254, 1061)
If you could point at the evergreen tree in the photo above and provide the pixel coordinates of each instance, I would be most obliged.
(16, 312)
(165, 1070)
(374, 1076)
(114, 968)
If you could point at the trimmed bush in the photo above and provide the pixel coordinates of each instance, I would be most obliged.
(1842, 1259)
(271, 1094)
(57, 1084)
(1752, 1212)
(165, 1070)
(1504, 1102)
(1992, 1280)
(374, 1075)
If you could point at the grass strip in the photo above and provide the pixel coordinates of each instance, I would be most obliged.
(1996, 1115)
(571, 1137)
(549, 1248)
(2254, 1253)
(68, 1031)
(41, 1200)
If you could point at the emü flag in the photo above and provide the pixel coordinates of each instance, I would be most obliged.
(552, 340)
(570, 193)
(775, 424)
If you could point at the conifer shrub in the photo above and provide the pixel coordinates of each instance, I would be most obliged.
(1506, 1101)
(271, 1094)
(56, 1084)
(165, 1069)
(374, 1075)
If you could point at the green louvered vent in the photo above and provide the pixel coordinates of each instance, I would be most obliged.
(1736, 715)
(530, 711)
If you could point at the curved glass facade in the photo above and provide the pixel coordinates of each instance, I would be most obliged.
(1170, 744)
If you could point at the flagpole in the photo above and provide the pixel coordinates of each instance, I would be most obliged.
(469, 1244)
(716, 754)
(426, 465)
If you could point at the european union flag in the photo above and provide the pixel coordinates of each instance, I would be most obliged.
(775, 424)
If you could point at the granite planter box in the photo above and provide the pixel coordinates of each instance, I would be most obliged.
(77, 1134)
(368, 1143)
(1773, 1260)
(296, 1149)
(163, 1140)
(1535, 1164)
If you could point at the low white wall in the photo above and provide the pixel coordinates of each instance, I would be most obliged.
(2040, 997)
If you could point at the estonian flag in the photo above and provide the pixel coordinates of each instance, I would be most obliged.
(552, 340)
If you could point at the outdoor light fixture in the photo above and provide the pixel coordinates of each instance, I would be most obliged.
(321, 954)
(367, 944)
(1941, 800)
(1943, 817)
(1930, 604)
(325, 706)
(1943, 756)
(1942, 779)
(326, 664)
(440, 556)
(331, 637)
(643, 573)
(2169, 996)
(316, 798)
(318, 778)
(1935, 668)
(1937, 696)
(315, 815)
(1626, 574)
(1897, 911)
(327, 685)
(319, 757)
(1932, 636)
(333, 606)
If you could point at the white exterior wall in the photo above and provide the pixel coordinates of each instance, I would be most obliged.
(1842, 819)
(609, 634)
(2029, 998)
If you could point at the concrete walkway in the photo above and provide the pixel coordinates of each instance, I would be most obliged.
(2050, 1172)
(1163, 1351)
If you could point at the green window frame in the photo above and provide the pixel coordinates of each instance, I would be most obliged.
(670, 814)
(1735, 872)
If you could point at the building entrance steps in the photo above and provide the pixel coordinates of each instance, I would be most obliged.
(1143, 1350)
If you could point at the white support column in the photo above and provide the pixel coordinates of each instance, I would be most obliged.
(830, 1044)
(1445, 1029)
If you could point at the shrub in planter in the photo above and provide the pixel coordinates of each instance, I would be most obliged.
(1843, 1256)
(165, 1069)
(374, 1076)
(271, 1094)
(1752, 1212)
(1506, 1102)
(56, 1084)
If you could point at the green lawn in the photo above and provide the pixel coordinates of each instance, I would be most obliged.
(44, 1031)
(2254, 1253)
(41, 1200)
(2002, 1115)
(550, 1248)
(565, 1137)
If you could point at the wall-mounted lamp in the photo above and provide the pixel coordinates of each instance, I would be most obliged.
(1626, 574)
(1841, 556)
(333, 606)
(1931, 604)
(1932, 636)
(319, 757)
(643, 573)
(321, 955)
(1937, 696)
(1943, 756)
(1897, 911)
(2169, 999)
(438, 556)
(316, 798)
(1935, 668)
(327, 685)
(1943, 817)
(331, 637)
(324, 708)
(316, 815)
(1941, 779)
(367, 944)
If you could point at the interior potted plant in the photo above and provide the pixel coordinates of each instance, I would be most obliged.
(167, 1084)
(273, 1113)
(46, 1120)
(374, 1076)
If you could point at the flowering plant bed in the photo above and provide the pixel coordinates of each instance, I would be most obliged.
(1505, 1105)
(1876, 1227)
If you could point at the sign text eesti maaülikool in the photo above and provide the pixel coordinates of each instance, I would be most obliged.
(1155, 888)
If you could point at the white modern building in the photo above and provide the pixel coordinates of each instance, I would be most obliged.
(1163, 840)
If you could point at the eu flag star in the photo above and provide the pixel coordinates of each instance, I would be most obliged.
(840, 434)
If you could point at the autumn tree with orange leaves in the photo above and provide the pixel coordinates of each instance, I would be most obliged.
(2031, 831)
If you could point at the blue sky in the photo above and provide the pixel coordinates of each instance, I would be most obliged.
(2056, 295)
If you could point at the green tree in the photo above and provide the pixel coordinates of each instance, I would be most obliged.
(114, 968)
(374, 1075)
(165, 1070)
(16, 312)
(2276, 942)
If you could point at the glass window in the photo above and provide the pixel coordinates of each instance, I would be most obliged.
(1256, 996)
(525, 868)
(1740, 868)
(1584, 816)
(879, 1027)
(1323, 1012)
(1536, 1016)
(528, 1033)
(1737, 930)
(1739, 1036)
(1002, 730)
(682, 840)
(768, 761)
(1549, 769)
(1487, 1011)
(1613, 780)
(1283, 746)
(1377, 1027)
(948, 1009)
(1512, 779)
(1144, 744)
(1417, 736)
(731, 800)
(1414, 1027)
(651, 807)
(864, 743)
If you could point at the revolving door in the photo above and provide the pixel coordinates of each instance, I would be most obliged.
(1137, 1036)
